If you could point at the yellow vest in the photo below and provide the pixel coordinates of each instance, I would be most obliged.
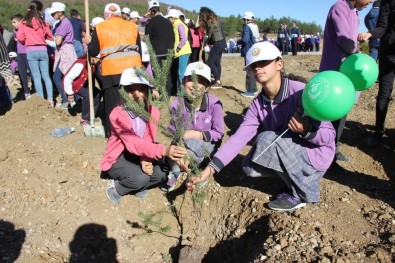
(118, 46)
(186, 49)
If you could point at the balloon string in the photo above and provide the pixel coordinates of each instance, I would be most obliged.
(270, 145)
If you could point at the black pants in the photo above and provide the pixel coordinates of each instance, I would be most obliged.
(129, 176)
(195, 55)
(339, 127)
(386, 80)
(294, 43)
(214, 59)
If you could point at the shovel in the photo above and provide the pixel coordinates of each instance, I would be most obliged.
(91, 130)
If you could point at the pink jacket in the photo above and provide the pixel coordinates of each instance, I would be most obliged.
(34, 36)
(123, 137)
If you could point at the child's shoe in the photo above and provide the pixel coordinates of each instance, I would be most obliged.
(172, 180)
(112, 193)
(286, 202)
(142, 194)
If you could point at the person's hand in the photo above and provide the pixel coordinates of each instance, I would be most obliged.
(299, 124)
(183, 164)
(191, 134)
(155, 94)
(204, 175)
(174, 152)
(364, 36)
(147, 167)
(87, 39)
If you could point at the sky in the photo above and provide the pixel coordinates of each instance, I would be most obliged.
(304, 10)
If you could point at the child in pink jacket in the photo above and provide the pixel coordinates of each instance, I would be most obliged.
(132, 157)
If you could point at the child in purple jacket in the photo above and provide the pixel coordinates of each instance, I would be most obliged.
(202, 116)
(300, 157)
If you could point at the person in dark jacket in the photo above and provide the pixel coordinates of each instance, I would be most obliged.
(370, 23)
(384, 30)
(295, 34)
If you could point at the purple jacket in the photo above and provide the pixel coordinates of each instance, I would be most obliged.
(274, 116)
(340, 35)
(209, 119)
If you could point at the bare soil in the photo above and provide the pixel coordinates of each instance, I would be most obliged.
(53, 206)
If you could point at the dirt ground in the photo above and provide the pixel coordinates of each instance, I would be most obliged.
(53, 206)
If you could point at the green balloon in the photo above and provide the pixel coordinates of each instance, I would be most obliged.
(328, 96)
(361, 69)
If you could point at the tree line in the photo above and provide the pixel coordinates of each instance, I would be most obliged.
(232, 24)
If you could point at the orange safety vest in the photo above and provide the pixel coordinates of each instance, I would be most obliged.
(118, 46)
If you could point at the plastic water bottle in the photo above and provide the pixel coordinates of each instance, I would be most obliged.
(60, 132)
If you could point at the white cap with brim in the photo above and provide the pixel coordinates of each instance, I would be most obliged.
(125, 10)
(144, 52)
(97, 20)
(152, 4)
(129, 77)
(112, 8)
(248, 15)
(56, 7)
(173, 13)
(134, 14)
(261, 51)
(200, 69)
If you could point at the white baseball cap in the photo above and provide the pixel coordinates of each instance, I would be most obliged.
(12, 54)
(173, 13)
(200, 69)
(112, 8)
(144, 52)
(152, 4)
(134, 14)
(261, 51)
(96, 20)
(56, 7)
(129, 77)
(248, 15)
(126, 10)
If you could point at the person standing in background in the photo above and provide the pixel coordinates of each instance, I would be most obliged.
(78, 30)
(386, 32)
(295, 35)
(370, 23)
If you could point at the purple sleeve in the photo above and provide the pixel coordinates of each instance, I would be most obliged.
(172, 126)
(183, 35)
(217, 129)
(346, 26)
(247, 130)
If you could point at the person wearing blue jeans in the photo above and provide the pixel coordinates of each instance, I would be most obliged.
(23, 67)
(370, 23)
(57, 78)
(39, 68)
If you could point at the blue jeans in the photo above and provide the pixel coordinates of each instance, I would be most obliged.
(374, 52)
(39, 68)
(57, 79)
(78, 48)
(214, 59)
(182, 66)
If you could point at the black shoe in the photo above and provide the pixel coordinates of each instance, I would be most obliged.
(341, 157)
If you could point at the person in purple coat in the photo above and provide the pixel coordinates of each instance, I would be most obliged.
(340, 41)
(201, 114)
(300, 156)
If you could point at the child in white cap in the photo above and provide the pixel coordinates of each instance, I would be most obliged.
(300, 157)
(202, 118)
(132, 156)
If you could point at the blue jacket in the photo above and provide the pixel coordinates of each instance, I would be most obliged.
(247, 40)
(370, 23)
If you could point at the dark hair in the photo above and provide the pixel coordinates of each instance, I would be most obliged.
(207, 17)
(376, 3)
(35, 9)
(17, 17)
(74, 13)
(155, 9)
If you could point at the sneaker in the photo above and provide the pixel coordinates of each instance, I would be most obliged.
(51, 103)
(142, 194)
(248, 94)
(112, 193)
(84, 123)
(27, 96)
(286, 202)
(341, 157)
(216, 85)
(62, 106)
(172, 180)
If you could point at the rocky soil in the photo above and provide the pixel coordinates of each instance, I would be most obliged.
(53, 206)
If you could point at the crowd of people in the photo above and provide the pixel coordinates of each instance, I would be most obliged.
(57, 50)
